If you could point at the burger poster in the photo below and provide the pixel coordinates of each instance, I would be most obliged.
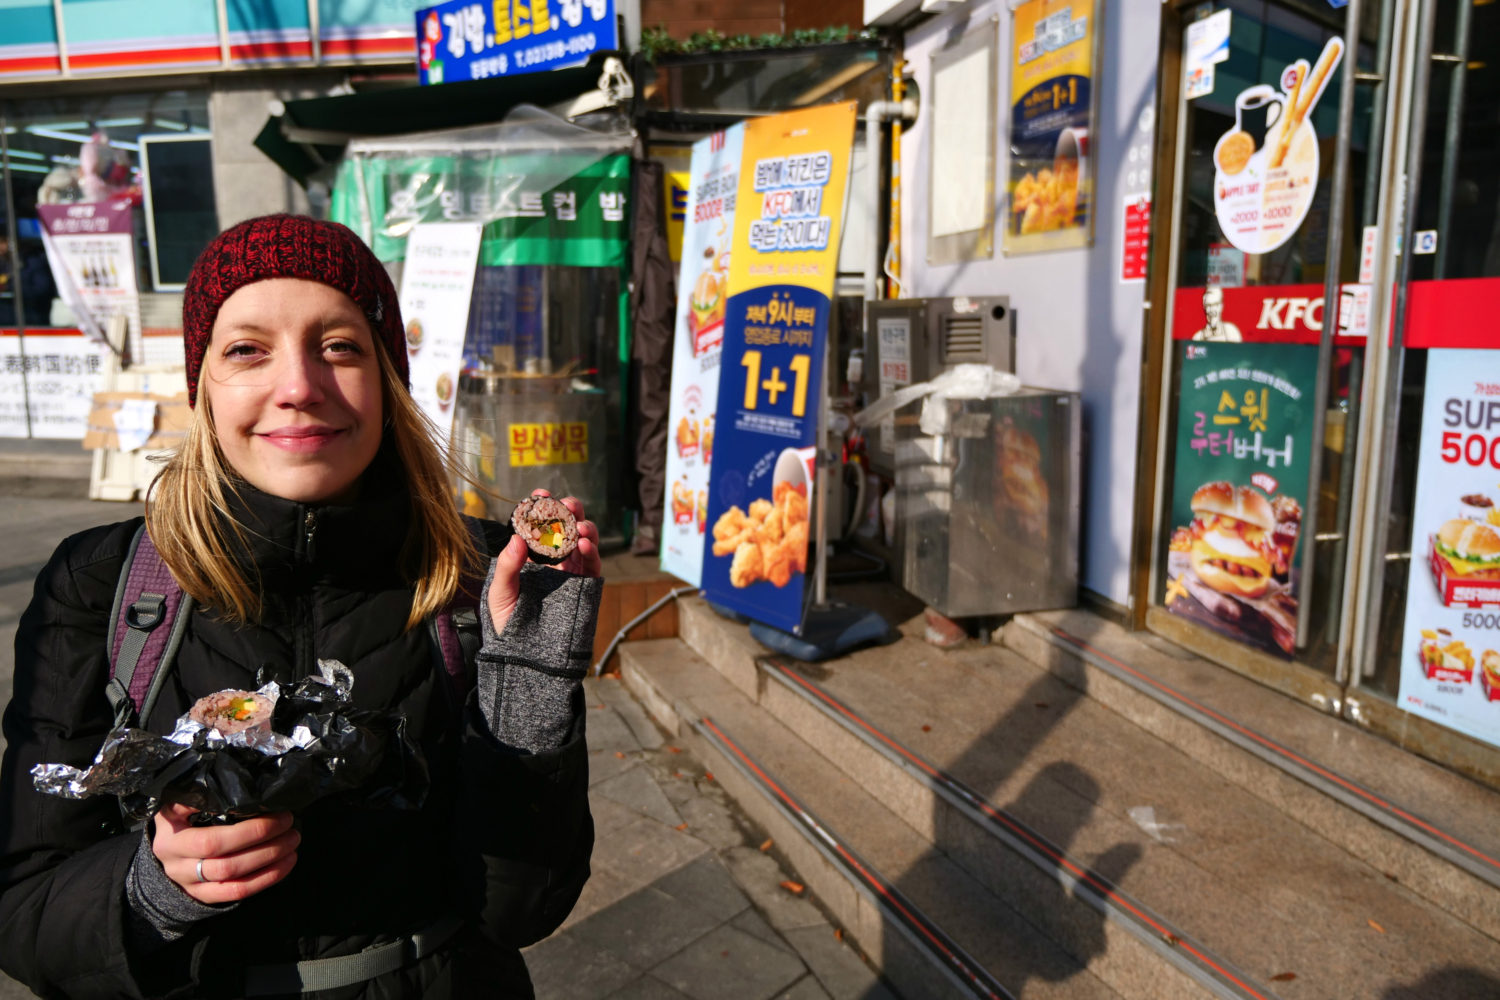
(793, 177)
(1051, 92)
(712, 184)
(1244, 437)
(436, 285)
(1450, 649)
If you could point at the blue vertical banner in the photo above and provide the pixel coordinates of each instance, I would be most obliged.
(794, 172)
(464, 40)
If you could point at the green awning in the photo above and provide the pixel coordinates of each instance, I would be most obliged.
(310, 134)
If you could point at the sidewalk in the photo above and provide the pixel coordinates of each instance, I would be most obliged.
(40, 467)
(683, 901)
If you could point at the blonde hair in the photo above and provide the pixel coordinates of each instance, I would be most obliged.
(189, 520)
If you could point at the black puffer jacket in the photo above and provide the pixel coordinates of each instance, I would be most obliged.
(503, 839)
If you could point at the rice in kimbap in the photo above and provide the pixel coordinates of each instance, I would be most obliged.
(547, 527)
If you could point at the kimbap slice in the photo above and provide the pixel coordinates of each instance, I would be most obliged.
(548, 528)
(231, 712)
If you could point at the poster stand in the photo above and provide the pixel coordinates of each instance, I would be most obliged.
(829, 628)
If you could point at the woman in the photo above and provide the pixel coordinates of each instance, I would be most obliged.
(308, 515)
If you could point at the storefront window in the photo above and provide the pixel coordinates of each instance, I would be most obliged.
(1443, 473)
(89, 242)
(65, 151)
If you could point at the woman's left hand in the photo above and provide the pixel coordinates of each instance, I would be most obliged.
(506, 588)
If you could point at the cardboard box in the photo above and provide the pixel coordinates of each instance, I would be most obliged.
(173, 415)
(1448, 673)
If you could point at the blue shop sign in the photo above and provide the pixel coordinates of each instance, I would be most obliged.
(462, 40)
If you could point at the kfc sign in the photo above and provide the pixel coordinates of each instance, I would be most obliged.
(1273, 314)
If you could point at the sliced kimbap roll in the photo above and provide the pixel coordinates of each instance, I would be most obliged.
(547, 527)
(232, 712)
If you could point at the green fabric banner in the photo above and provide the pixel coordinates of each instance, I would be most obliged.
(543, 209)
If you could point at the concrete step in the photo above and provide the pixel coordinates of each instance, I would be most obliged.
(1421, 825)
(1187, 843)
(1075, 780)
(830, 829)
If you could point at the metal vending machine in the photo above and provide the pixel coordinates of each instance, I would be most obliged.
(986, 510)
(989, 508)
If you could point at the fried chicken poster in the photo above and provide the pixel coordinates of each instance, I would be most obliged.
(702, 290)
(768, 542)
(1050, 186)
(783, 261)
(1240, 486)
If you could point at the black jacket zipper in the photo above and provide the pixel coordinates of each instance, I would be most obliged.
(305, 653)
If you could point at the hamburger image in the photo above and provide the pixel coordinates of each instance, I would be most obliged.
(1233, 551)
(1470, 549)
(705, 307)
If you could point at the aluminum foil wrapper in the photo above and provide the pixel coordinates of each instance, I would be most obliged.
(319, 745)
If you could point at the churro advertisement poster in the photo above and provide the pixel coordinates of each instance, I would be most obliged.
(1266, 162)
(794, 173)
(1450, 645)
(1050, 183)
(712, 184)
(1240, 485)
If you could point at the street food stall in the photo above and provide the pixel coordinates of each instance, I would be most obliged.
(509, 245)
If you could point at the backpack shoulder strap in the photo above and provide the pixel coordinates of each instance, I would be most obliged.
(455, 629)
(145, 628)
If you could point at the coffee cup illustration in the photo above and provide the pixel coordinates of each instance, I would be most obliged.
(1256, 109)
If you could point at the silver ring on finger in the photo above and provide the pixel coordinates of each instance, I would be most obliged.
(201, 877)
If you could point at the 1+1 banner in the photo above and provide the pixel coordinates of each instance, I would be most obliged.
(793, 176)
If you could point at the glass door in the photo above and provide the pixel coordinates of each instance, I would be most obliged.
(1427, 650)
(1279, 148)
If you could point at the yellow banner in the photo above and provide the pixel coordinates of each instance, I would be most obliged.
(548, 444)
(790, 201)
(1051, 90)
(676, 184)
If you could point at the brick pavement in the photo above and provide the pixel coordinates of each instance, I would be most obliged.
(683, 902)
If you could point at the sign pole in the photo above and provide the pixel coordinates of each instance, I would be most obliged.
(824, 457)
(12, 262)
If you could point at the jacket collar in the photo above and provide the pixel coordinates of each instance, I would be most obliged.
(360, 542)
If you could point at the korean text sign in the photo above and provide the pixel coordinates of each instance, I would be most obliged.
(1240, 485)
(793, 176)
(1450, 646)
(465, 40)
(698, 339)
(1051, 93)
(48, 381)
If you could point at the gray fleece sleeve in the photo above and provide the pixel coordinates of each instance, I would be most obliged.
(160, 912)
(531, 672)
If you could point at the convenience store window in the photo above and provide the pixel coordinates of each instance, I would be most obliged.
(78, 150)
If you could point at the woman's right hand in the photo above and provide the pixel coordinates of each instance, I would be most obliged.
(239, 859)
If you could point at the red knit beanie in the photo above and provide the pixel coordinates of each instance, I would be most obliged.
(288, 246)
